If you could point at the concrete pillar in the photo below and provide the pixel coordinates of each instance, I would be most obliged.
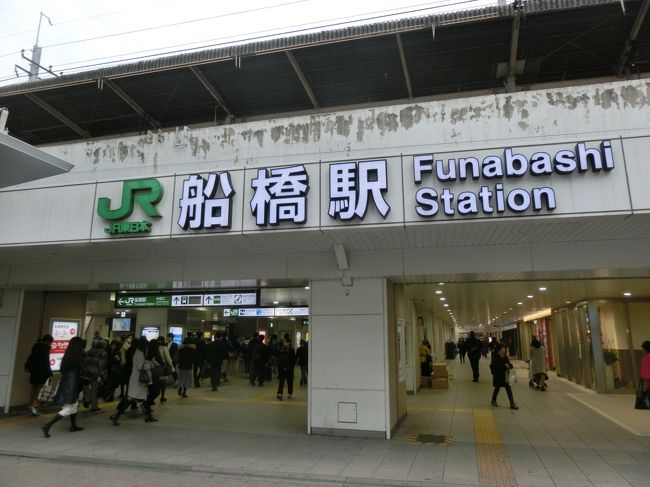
(349, 364)
(11, 304)
(597, 347)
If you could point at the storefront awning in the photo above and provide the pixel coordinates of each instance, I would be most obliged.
(21, 162)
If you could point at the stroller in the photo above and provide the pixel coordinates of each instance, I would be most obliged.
(537, 381)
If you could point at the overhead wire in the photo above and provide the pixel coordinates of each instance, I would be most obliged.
(235, 39)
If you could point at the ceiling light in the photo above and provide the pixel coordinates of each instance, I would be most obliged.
(530, 296)
(627, 293)
(306, 287)
(443, 299)
(441, 284)
(519, 303)
(446, 305)
(567, 302)
(275, 302)
(542, 289)
(438, 291)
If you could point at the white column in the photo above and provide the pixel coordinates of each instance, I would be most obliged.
(10, 309)
(349, 366)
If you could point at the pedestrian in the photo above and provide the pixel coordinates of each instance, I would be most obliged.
(536, 367)
(500, 368)
(199, 358)
(167, 367)
(462, 350)
(138, 390)
(286, 360)
(259, 360)
(474, 354)
(302, 358)
(215, 353)
(153, 366)
(186, 359)
(126, 356)
(68, 390)
(644, 373)
(94, 372)
(39, 369)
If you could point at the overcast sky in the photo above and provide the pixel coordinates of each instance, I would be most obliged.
(86, 34)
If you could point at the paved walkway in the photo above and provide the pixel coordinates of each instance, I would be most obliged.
(243, 436)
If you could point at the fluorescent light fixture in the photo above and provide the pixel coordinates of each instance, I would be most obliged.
(627, 293)
(275, 302)
(539, 314)
(441, 284)
(542, 289)
(443, 299)
(519, 303)
(306, 287)
(446, 305)
(530, 296)
(438, 291)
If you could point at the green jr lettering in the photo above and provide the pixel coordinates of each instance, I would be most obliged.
(148, 192)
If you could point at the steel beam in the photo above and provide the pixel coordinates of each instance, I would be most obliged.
(634, 32)
(407, 77)
(301, 77)
(131, 102)
(514, 44)
(211, 89)
(58, 115)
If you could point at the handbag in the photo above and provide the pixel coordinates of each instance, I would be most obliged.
(642, 397)
(46, 394)
(512, 377)
(143, 377)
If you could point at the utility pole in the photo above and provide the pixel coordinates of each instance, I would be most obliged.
(35, 61)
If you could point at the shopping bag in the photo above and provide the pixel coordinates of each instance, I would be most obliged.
(512, 377)
(46, 394)
(642, 398)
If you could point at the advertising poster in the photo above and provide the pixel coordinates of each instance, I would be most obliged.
(62, 331)
(177, 331)
(151, 332)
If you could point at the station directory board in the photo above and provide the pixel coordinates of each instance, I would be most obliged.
(63, 329)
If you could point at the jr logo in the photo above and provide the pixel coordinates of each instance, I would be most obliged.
(148, 192)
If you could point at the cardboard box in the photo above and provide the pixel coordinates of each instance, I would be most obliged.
(439, 370)
(440, 383)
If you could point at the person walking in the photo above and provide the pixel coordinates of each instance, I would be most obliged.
(474, 354)
(167, 367)
(500, 368)
(462, 350)
(94, 372)
(186, 360)
(536, 366)
(644, 372)
(302, 358)
(259, 360)
(39, 369)
(137, 391)
(286, 360)
(126, 356)
(215, 353)
(68, 390)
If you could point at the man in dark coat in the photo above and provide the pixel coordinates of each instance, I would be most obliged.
(474, 354)
(216, 352)
(38, 366)
(286, 361)
(259, 360)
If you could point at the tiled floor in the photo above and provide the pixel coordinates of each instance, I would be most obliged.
(565, 436)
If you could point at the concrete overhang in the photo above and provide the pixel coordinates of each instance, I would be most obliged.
(21, 162)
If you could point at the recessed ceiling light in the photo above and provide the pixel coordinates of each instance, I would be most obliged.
(443, 299)
(446, 305)
(530, 296)
(509, 309)
(306, 287)
(567, 302)
(275, 302)
(627, 293)
(519, 303)
(441, 284)
(542, 289)
(438, 291)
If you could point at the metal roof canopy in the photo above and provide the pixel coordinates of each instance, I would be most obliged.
(497, 48)
(21, 162)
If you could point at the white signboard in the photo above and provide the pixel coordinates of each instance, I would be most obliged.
(266, 312)
(151, 332)
(187, 300)
(230, 299)
(292, 311)
(62, 331)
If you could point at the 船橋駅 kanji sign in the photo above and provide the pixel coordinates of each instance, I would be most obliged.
(493, 182)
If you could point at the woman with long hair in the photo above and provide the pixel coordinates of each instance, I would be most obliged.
(68, 390)
(137, 391)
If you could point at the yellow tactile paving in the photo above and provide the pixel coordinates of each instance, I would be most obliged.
(494, 468)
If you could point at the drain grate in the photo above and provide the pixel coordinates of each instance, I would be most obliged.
(430, 439)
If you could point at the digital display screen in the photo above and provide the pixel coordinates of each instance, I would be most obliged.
(121, 324)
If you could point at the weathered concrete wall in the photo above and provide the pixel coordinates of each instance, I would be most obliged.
(609, 109)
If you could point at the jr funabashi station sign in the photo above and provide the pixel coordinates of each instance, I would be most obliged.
(503, 182)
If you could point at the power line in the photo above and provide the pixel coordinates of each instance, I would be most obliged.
(313, 26)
